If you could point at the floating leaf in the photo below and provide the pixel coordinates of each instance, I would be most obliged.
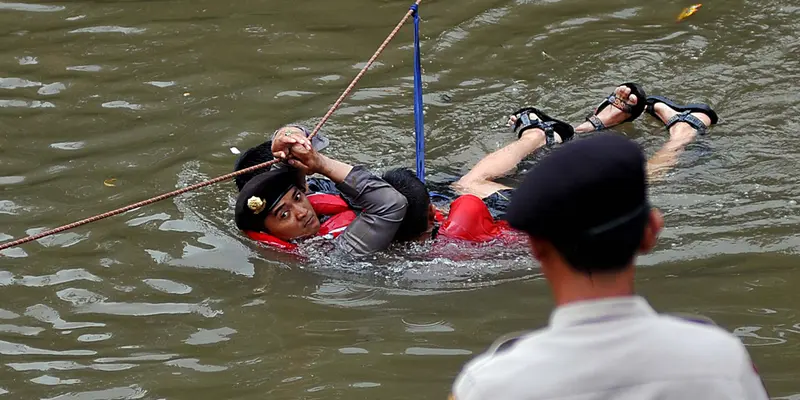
(688, 12)
(110, 182)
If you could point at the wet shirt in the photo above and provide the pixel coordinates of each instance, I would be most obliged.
(613, 348)
(381, 207)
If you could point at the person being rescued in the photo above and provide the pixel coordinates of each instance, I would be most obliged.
(476, 214)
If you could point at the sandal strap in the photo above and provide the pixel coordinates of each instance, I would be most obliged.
(547, 127)
(615, 102)
(620, 104)
(596, 123)
(549, 133)
(688, 118)
(524, 121)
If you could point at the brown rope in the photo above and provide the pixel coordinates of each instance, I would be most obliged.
(226, 176)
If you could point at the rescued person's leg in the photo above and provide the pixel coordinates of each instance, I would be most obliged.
(534, 129)
(684, 123)
(479, 180)
(625, 104)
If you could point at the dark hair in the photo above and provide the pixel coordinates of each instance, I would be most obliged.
(416, 220)
(253, 156)
(607, 252)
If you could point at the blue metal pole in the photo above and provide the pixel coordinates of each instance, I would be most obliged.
(419, 126)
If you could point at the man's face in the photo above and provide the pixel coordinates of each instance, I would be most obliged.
(292, 217)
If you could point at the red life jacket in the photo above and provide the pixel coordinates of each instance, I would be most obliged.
(469, 219)
(324, 205)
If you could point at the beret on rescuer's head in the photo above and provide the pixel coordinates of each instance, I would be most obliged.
(261, 194)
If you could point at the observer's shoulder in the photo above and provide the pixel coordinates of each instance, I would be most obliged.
(697, 324)
(489, 362)
(504, 348)
(692, 333)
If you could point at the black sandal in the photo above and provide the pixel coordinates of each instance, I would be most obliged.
(635, 110)
(684, 113)
(531, 118)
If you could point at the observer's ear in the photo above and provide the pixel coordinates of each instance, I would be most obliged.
(655, 224)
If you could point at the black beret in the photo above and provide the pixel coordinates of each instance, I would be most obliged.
(581, 189)
(260, 195)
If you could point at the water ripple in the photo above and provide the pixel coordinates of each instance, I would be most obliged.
(54, 381)
(94, 337)
(16, 83)
(193, 364)
(48, 315)
(5, 314)
(209, 336)
(21, 330)
(61, 276)
(30, 7)
(17, 349)
(69, 146)
(118, 393)
(51, 89)
(43, 366)
(8, 207)
(25, 104)
(427, 351)
(109, 29)
(142, 357)
(146, 309)
(168, 286)
(121, 104)
(84, 68)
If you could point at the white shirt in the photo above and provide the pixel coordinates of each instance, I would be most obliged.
(618, 349)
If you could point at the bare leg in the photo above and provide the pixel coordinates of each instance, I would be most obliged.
(680, 135)
(479, 180)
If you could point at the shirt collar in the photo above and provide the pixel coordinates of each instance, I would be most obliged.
(590, 311)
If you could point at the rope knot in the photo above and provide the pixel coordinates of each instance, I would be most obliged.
(414, 7)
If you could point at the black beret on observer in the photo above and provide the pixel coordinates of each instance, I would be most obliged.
(582, 188)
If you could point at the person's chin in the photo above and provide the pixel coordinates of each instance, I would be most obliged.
(310, 231)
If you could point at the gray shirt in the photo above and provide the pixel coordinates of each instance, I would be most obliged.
(382, 210)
